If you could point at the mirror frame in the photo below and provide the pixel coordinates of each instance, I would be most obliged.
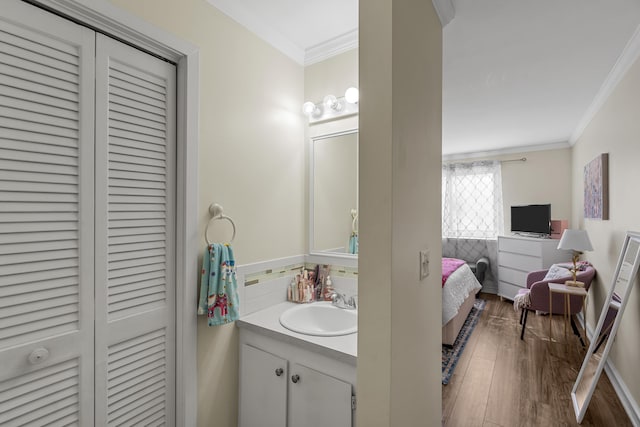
(318, 137)
(580, 411)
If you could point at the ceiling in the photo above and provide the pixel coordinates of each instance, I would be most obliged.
(516, 74)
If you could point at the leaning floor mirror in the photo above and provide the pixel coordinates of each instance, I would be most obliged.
(610, 317)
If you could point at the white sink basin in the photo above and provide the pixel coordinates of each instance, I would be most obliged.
(320, 319)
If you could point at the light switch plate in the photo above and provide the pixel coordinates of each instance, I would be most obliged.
(424, 264)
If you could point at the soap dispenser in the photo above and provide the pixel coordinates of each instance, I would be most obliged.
(328, 289)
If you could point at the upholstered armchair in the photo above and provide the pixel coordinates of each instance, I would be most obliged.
(538, 297)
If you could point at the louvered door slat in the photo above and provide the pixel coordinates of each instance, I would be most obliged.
(32, 277)
(28, 288)
(32, 86)
(40, 78)
(57, 312)
(135, 238)
(20, 154)
(9, 196)
(46, 217)
(135, 104)
(17, 248)
(126, 111)
(27, 135)
(63, 155)
(29, 116)
(125, 74)
(38, 108)
(126, 280)
(130, 287)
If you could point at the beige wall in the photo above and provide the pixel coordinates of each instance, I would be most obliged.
(251, 161)
(544, 178)
(615, 130)
(331, 77)
(399, 337)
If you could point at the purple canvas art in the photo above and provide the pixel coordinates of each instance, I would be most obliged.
(596, 188)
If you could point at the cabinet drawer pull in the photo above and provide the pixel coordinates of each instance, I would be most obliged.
(279, 372)
(295, 378)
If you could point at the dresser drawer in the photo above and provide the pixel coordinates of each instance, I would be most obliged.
(519, 262)
(520, 246)
(508, 290)
(515, 277)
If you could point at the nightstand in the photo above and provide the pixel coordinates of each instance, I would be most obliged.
(567, 291)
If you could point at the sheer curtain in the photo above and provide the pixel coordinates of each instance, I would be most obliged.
(472, 214)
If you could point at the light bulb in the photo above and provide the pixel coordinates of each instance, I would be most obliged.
(308, 108)
(352, 95)
(329, 101)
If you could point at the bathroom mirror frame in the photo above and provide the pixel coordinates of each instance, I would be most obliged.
(625, 274)
(321, 133)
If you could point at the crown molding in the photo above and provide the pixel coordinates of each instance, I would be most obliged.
(627, 58)
(445, 10)
(509, 150)
(267, 33)
(331, 47)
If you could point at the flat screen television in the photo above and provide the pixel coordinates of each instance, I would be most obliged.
(534, 219)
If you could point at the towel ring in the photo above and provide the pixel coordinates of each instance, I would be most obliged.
(354, 215)
(217, 213)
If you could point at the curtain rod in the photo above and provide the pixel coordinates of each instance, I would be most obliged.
(521, 159)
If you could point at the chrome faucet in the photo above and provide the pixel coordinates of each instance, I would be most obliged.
(341, 301)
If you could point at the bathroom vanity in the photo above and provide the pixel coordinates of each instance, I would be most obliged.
(292, 379)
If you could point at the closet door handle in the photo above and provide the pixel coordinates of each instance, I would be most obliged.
(295, 378)
(38, 355)
(279, 372)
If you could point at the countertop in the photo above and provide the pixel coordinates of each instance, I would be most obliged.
(266, 322)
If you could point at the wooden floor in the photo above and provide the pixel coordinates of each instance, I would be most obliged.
(503, 381)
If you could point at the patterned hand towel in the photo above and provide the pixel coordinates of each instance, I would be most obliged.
(353, 243)
(218, 288)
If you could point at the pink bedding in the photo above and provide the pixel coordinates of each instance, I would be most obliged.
(449, 265)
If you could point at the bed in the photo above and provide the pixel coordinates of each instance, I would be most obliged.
(459, 291)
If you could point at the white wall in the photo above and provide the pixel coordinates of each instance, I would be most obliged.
(615, 130)
(251, 161)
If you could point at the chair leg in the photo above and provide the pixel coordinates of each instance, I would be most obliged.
(525, 312)
(522, 315)
(575, 330)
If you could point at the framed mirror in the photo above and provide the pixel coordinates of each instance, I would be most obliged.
(610, 317)
(333, 198)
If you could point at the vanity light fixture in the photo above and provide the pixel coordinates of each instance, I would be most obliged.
(331, 102)
(332, 107)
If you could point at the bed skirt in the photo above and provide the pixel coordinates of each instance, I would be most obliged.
(451, 330)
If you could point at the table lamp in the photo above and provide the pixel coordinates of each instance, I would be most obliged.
(576, 241)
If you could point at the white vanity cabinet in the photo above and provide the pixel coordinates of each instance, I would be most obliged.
(517, 256)
(282, 384)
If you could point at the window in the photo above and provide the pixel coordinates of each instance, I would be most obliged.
(472, 200)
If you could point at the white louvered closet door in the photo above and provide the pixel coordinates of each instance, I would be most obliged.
(135, 225)
(46, 218)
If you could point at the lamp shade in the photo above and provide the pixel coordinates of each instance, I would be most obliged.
(575, 240)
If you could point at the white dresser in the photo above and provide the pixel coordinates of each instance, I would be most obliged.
(517, 256)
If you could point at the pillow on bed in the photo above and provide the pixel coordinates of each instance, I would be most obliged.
(557, 271)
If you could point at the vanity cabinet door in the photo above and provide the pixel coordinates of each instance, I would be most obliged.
(317, 399)
(263, 389)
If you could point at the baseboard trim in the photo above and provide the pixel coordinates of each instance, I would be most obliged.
(622, 391)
